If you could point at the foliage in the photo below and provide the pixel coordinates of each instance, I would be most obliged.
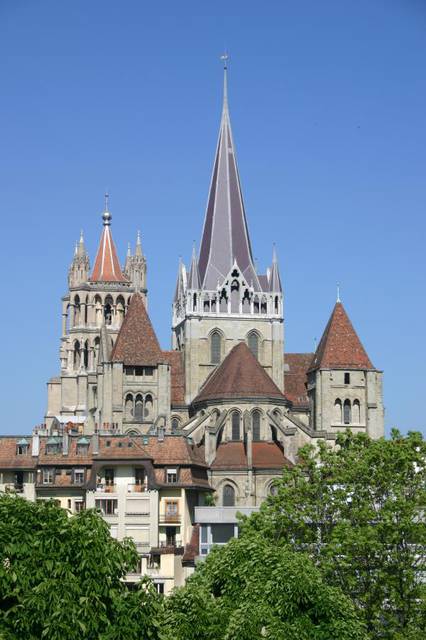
(253, 589)
(358, 511)
(61, 577)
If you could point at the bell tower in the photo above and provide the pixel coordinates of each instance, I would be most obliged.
(223, 300)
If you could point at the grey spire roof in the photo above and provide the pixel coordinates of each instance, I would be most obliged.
(225, 235)
(275, 280)
(194, 274)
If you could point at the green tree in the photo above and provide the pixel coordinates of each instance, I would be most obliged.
(61, 577)
(358, 511)
(252, 589)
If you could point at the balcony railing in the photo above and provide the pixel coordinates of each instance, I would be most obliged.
(14, 487)
(170, 518)
(137, 488)
(104, 488)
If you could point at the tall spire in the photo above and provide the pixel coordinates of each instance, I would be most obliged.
(138, 251)
(194, 275)
(275, 280)
(225, 238)
(107, 266)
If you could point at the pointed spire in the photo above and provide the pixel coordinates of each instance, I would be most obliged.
(81, 249)
(338, 292)
(137, 343)
(194, 274)
(275, 280)
(225, 234)
(181, 281)
(340, 346)
(138, 251)
(129, 250)
(107, 266)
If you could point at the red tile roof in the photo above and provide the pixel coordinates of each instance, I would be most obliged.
(296, 366)
(268, 455)
(340, 347)
(175, 359)
(9, 458)
(107, 266)
(230, 455)
(136, 342)
(239, 376)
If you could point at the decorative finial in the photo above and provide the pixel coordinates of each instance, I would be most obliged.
(129, 250)
(106, 216)
(138, 251)
(338, 292)
(274, 253)
(224, 57)
(76, 249)
(81, 237)
(138, 237)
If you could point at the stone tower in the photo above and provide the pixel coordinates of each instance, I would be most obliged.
(344, 388)
(223, 300)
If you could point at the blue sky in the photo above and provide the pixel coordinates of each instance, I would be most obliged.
(328, 110)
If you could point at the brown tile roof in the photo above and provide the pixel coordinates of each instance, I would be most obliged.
(193, 546)
(296, 366)
(136, 342)
(175, 359)
(239, 375)
(268, 455)
(107, 266)
(71, 457)
(9, 458)
(172, 450)
(230, 455)
(340, 347)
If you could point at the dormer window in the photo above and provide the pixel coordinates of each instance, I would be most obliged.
(82, 447)
(53, 446)
(22, 447)
(171, 476)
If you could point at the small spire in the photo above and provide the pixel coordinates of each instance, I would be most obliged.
(106, 216)
(76, 249)
(338, 292)
(274, 254)
(81, 237)
(138, 251)
(129, 250)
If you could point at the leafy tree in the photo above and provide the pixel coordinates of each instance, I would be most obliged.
(358, 511)
(252, 589)
(61, 577)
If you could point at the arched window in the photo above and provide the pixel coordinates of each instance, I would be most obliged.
(347, 412)
(228, 496)
(356, 412)
(175, 425)
(194, 302)
(148, 407)
(86, 310)
(256, 307)
(128, 407)
(96, 352)
(223, 302)
(98, 311)
(338, 411)
(263, 305)
(253, 343)
(274, 434)
(86, 355)
(77, 355)
(206, 303)
(120, 309)
(235, 423)
(273, 489)
(235, 296)
(77, 310)
(246, 302)
(215, 347)
(276, 305)
(255, 425)
(139, 407)
(108, 310)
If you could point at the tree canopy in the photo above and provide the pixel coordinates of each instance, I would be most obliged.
(61, 577)
(357, 510)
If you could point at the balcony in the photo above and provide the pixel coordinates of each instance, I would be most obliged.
(169, 518)
(106, 488)
(14, 487)
(136, 488)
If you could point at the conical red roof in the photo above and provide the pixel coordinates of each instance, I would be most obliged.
(107, 266)
(136, 342)
(340, 347)
(239, 376)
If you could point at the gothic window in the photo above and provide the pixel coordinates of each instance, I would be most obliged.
(215, 347)
(256, 307)
(139, 408)
(246, 302)
(86, 355)
(108, 311)
(228, 496)
(96, 352)
(347, 412)
(338, 411)
(276, 305)
(98, 311)
(223, 302)
(255, 425)
(253, 343)
(356, 412)
(175, 425)
(235, 424)
(120, 309)
(86, 310)
(263, 306)
(77, 309)
(194, 302)
(128, 407)
(206, 304)
(274, 434)
(213, 305)
(347, 378)
(235, 296)
(148, 407)
(77, 355)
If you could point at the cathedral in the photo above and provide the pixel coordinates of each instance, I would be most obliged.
(170, 445)
(227, 384)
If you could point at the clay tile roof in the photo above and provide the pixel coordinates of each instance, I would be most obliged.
(239, 375)
(175, 359)
(230, 455)
(296, 366)
(8, 454)
(340, 347)
(192, 548)
(268, 455)
(136, 342)
(107, 266)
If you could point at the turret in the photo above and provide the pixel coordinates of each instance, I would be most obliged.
(80, 265)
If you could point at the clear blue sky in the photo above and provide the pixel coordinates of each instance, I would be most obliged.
(328, 106)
